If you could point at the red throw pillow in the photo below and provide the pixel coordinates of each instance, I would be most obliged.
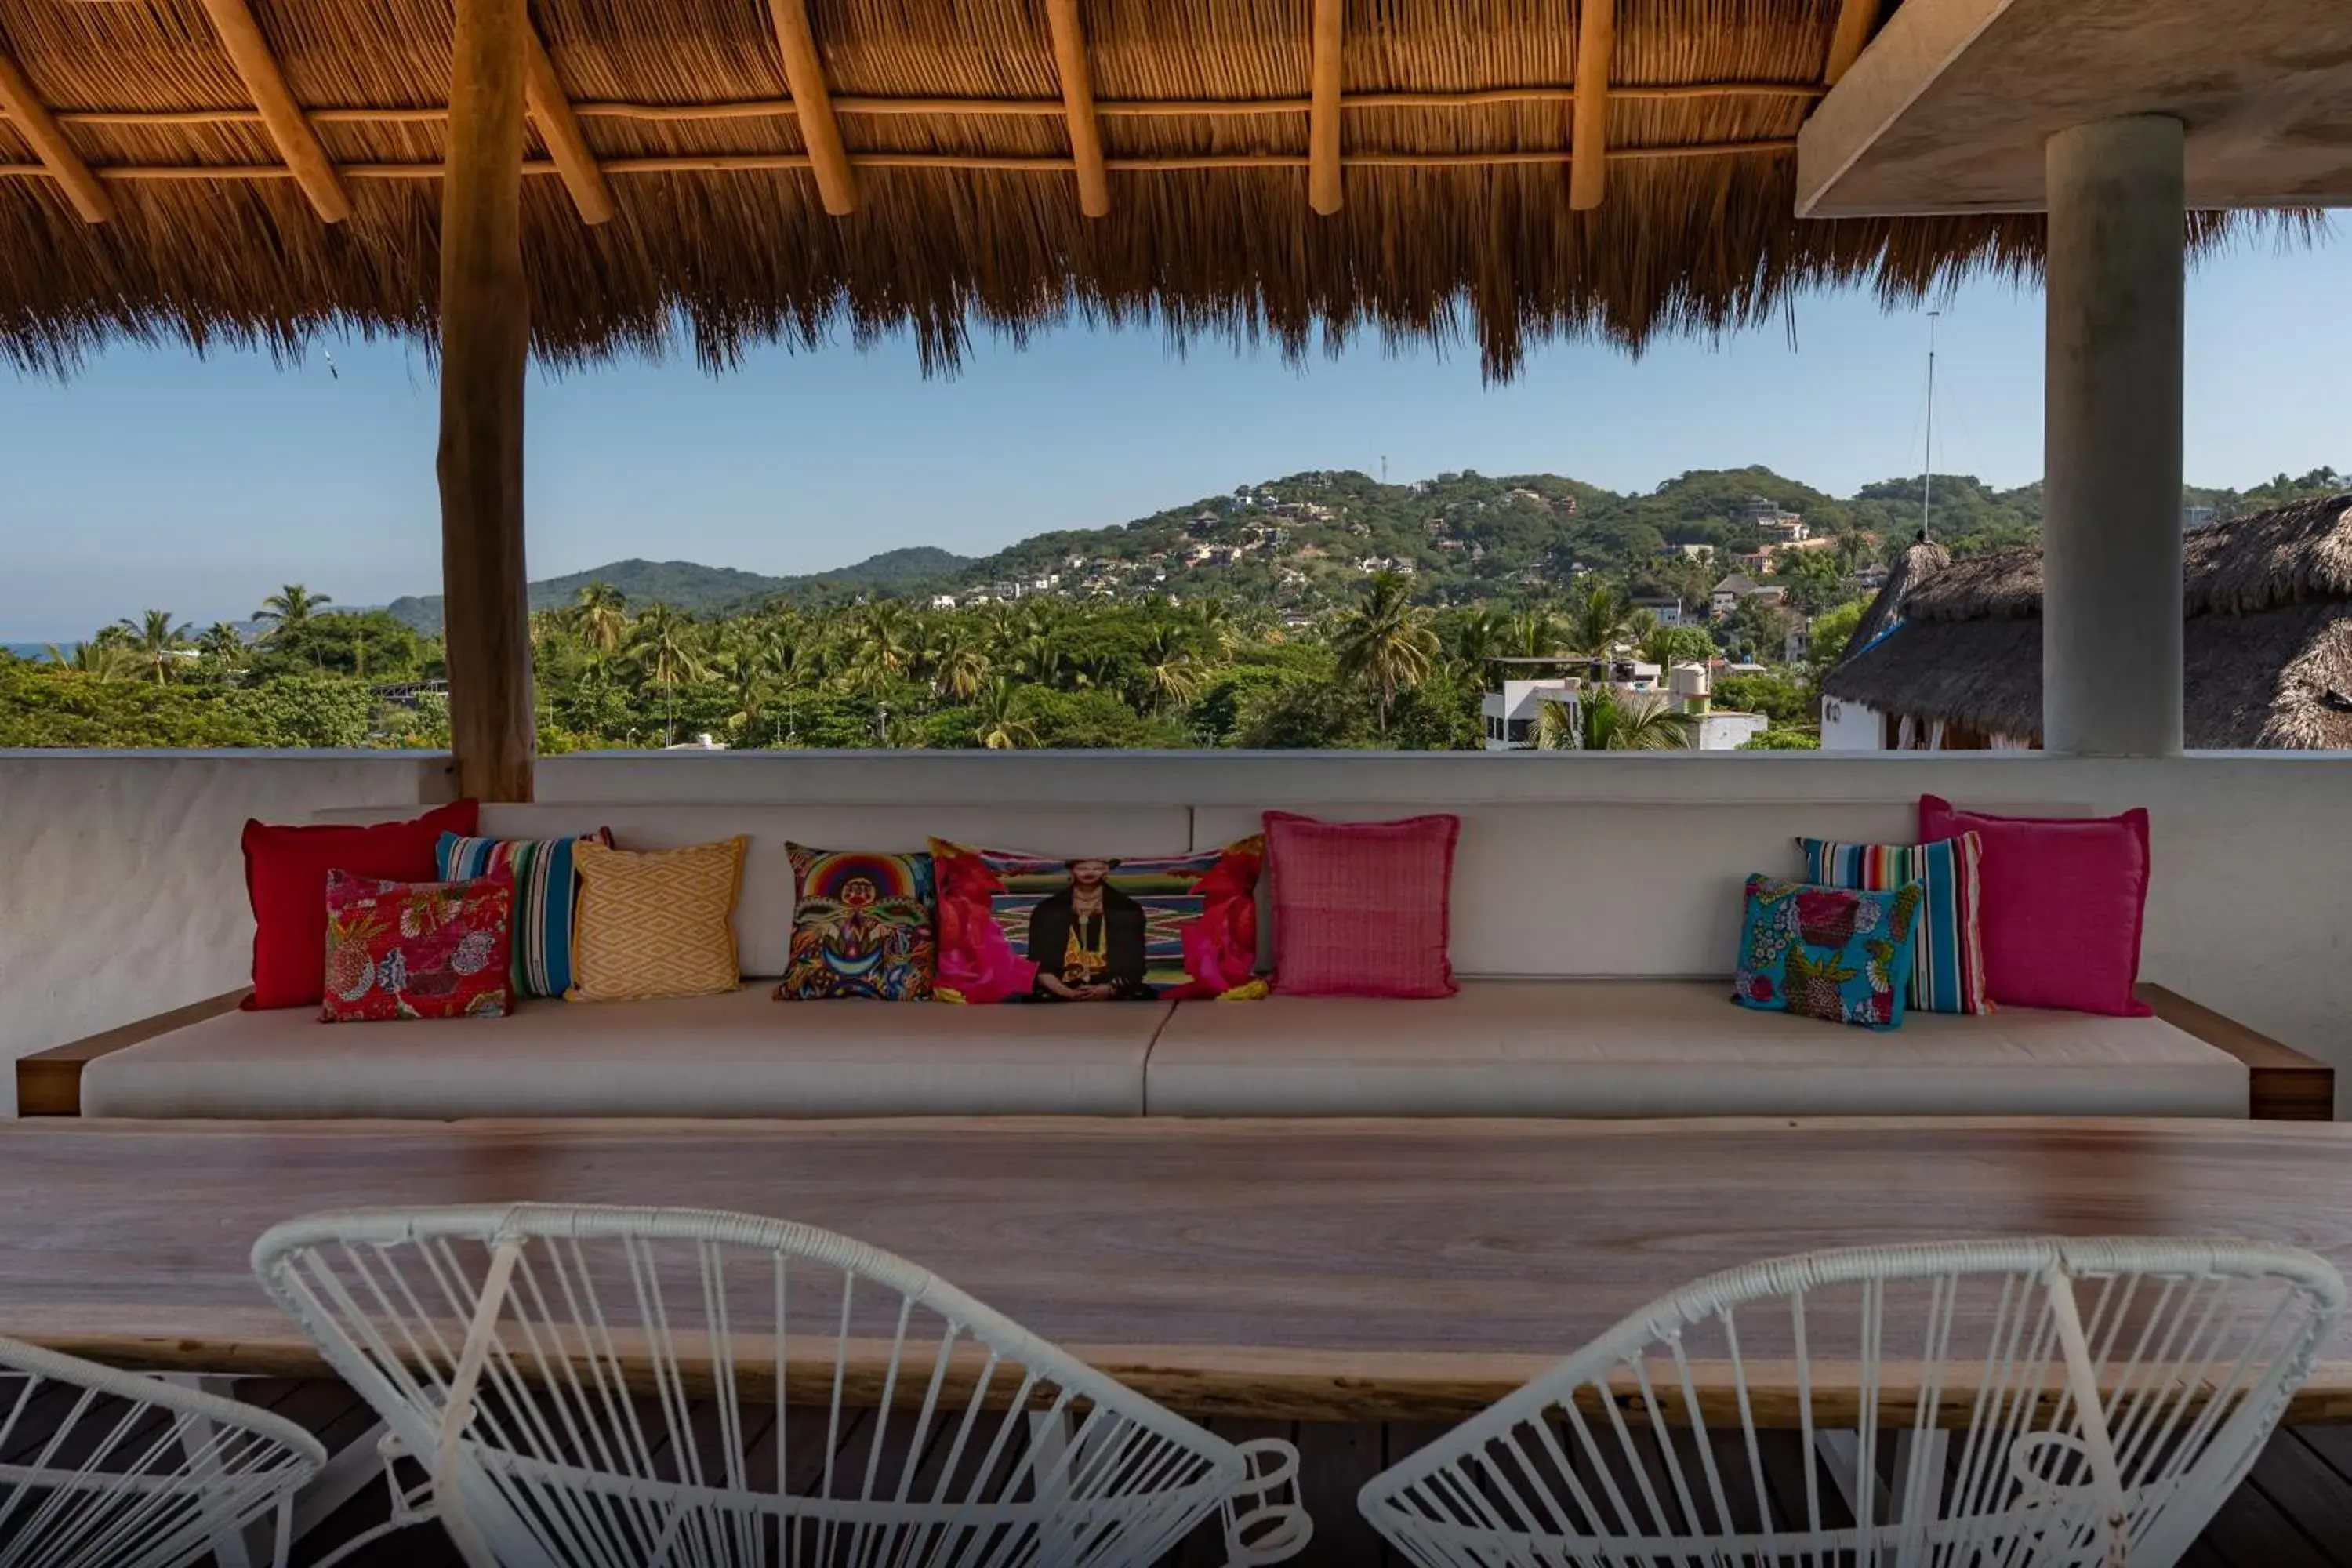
(418, 950)
(286, 877)
(1362, 909)
(2061, 903)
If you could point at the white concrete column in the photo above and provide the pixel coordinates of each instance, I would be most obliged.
(2111, 635)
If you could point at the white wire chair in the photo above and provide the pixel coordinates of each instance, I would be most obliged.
(2014, 1403)
(635, 1387)
(101, 1468)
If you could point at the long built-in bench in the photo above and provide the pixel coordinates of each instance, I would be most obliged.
(1576, 1002)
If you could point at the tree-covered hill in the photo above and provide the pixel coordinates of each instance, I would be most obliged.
(1305, 543)
(718, 590)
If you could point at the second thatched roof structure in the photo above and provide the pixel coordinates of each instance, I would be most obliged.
(713, 174)
(2268, 638)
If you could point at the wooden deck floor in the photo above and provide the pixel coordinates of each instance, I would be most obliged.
(2296, 1511)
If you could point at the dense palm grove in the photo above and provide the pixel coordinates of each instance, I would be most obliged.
(1043, 671)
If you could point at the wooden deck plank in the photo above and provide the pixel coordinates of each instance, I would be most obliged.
(2295, 1512)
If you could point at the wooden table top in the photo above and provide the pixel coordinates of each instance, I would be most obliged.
(1339, 1270)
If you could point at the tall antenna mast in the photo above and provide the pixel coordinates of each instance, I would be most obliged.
(1927, 484)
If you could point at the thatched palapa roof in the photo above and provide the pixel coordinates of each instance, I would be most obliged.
(2268, 639)
(223, 142)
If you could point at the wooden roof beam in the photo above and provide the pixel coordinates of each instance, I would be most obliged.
(290, 131)
(1587, 169)
(551, 111)
(1324, 82)
(1857, 19)
(1079, 106)
(32, 118)
(837, 182)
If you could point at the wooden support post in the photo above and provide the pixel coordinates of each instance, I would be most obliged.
(551, 111)
(837, 182)
(1079, 106)
(1587, 169)
(1856, 19)
(34, 121)
(484, 352)
(1324, 79)
(290, 131)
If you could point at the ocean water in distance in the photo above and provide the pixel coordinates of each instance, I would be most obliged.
(35, 649)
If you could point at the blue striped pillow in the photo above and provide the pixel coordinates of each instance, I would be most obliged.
(546, 900)
(1948, 973)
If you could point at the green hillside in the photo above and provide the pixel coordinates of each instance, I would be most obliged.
(718, 590)
(1305, 543)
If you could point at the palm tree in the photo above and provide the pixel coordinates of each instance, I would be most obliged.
(1172, 673)
(889, 632)
(999, 720)
(1608, 719)
(600, 614)
(1384, 641)
(222, 647)
(1535, 634)
(290, 606)
(959, 668)
(1668, 646)
(106, 660)
(1479, 637)
(1598, 622)
(661, 645)
(155, 644)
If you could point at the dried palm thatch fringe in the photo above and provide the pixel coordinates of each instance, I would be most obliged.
(1208, 233)
(2268, 641)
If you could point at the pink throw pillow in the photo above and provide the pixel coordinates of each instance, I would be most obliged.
(1362, 909)
(2063, 900)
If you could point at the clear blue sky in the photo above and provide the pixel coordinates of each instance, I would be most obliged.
(197, 486)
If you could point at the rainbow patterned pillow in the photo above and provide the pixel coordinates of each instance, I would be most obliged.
(1948, 971)
(1842, 954)
(861, 927)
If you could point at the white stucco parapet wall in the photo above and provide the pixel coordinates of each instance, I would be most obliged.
(123, 890)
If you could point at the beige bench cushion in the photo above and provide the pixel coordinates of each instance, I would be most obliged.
(1634, 1048)
(742, 1054)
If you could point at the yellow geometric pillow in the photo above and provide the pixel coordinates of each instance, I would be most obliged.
(656, 922)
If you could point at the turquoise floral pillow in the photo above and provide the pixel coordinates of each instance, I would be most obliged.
(1840, 954)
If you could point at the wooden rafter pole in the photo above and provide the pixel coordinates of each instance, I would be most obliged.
(1856, 20)
(551, 111)
(1324, 83)
(837, 182)
(34, 121)
(289, 130)
(1596, 39)
(1079, 106)
(485, 350)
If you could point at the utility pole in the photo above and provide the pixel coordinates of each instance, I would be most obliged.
(1927, 484)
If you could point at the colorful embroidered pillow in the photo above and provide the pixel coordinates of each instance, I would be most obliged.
(656, 923)
(2063, 899)
(417, 950)
(861, 927)
(1840, 953)
(286, 877)
(1362, 909)
(1021, 928)
(546, 898)
(1947, 966)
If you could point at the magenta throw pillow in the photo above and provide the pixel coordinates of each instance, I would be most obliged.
(1362, 909)
(2062, 903)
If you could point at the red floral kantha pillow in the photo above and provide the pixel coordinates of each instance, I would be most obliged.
(418, 950)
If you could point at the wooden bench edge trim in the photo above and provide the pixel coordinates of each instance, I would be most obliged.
(48, 1083)
(2282, 1084)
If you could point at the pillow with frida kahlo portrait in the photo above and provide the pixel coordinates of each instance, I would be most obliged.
(861, 927)
(1041, 928)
